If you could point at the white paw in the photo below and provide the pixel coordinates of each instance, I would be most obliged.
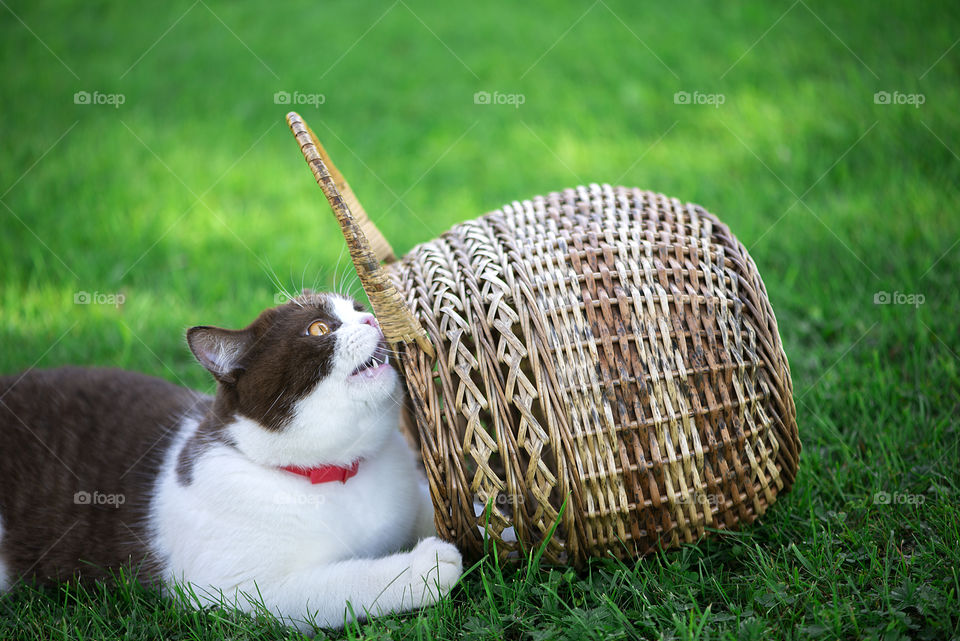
(436, 566)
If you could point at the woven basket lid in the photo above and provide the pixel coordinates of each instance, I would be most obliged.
(596, 371)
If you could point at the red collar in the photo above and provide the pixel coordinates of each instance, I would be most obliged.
(325, 473)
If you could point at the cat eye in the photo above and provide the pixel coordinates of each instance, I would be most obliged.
(318, 328)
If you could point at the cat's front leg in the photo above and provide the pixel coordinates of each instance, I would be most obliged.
(395, 583)
(434, 566)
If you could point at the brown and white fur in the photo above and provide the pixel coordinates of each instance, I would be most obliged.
(104, 468)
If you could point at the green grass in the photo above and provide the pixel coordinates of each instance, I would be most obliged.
(191, 198)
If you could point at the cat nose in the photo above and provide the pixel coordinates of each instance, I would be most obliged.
(370, 320)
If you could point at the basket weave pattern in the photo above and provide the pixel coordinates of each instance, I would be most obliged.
(602, 362)
(608, 345)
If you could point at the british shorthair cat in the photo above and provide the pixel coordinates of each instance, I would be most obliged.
(292, 486)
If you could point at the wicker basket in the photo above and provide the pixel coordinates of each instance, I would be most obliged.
(599, 367)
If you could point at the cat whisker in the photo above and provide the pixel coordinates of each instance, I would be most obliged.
(336, 270)
(353, 283)
(303, 275)
(275, 281)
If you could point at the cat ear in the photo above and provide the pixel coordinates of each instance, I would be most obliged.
(219, 350)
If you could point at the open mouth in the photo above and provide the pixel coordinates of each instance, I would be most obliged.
(379, 360)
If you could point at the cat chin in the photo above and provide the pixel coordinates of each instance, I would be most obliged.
(334, 425)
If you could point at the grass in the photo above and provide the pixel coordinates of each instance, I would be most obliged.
(191, 200)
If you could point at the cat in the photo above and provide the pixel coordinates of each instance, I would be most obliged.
(292, 486)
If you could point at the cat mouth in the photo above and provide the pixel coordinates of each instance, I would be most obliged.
(378, 361)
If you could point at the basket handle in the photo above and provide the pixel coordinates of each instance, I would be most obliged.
(366, 244)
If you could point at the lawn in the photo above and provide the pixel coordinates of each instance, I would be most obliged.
(189, 203)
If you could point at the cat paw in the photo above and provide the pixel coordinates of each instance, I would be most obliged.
(437, 565)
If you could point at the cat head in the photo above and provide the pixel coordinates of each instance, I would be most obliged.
(306, 383)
